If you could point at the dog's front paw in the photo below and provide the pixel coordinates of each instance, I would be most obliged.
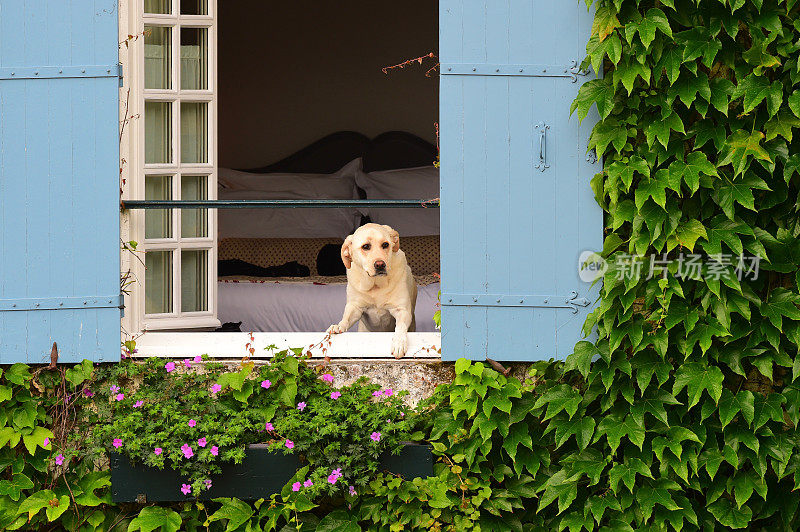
(336, 328)
(399, 345)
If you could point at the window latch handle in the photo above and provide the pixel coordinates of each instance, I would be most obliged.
(542, 128)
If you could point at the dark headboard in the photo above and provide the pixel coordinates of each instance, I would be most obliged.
(387, 151)
(398, 149)
(325, 156)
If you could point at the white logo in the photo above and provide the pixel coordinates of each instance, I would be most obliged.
(591, 266)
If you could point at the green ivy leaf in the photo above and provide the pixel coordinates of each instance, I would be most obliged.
(338, 521)
(650, 494)
(560, 487)
(608, 132)
(234, 510)
(727, 515)
(781, 124)
(741, 147)
(627, 472)
(696, 378)
(157, 517)
(660, 129)
(595, 91)
(755, 90)
(730, 405)
(615, 428)
(605, 21)
(13, 488)
(558, 398)
(794, 103)
(670, 62)
(781, 303)
(582, 427)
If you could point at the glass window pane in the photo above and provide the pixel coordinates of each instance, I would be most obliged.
(158, 282)
(157, 59)
(158, 222)
(194, 222)
(194, 132)
(194, 280)
(157, 132)
(194, 7)
(157, 6)
(194, 58)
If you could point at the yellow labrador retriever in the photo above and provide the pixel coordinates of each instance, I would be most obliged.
(381, 291)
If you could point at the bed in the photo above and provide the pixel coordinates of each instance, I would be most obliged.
(280, 269)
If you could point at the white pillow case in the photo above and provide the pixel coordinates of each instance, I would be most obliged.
(408, 183)
(288, 223)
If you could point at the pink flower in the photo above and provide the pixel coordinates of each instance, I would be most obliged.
(214, 450)
(336, 395)
(202, 442)
(377, 393)
(388, 392)
(301, 406)
(376, 436)
(187, 450)
(198, 358)
(208, 483)
(114, 388)
(268, 426)
(59, 459)
(170, 367)
(266, 384)
(117, 443)
(119, 396)
(335, 474)
(353, 492)
(289, 444)
(46, 441)
(157, 451)
(187, 362)
(87, 392)
(327, 377)
(308, 483)
(186, 489)
(296, 486)
(216, 388)
(192, 422)
(138, 404)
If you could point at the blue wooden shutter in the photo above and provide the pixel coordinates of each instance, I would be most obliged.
(59, 180)
(513, 226)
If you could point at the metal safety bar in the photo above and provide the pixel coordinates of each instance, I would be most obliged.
(273, 204)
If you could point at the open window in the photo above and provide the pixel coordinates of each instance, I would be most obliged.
(259, 102)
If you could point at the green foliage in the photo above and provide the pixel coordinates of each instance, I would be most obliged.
(699, 106)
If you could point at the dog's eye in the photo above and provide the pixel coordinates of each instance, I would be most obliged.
(365, 247)
(385, 245)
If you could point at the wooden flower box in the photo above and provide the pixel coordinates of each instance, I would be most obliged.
(260, 474)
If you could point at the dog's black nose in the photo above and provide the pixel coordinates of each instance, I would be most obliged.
(380, 265)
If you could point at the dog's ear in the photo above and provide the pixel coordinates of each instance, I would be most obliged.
(394, 237)
(347, 256)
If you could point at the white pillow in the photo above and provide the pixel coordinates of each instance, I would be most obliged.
(339, 185)
(288, 223)
(408, 183)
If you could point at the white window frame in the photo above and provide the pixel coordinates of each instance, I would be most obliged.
(176, 319)
(148, 331)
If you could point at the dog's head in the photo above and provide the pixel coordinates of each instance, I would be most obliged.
(372, 248)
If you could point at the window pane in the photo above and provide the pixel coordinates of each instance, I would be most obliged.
(157, 60)
(194, 280)
(157, 132)
(158, 282)
(194, 132)
(158, 222)
(194, 222)
(157, 6)
(194, 58)
(194, 7)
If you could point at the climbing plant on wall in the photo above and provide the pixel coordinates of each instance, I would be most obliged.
(688, 415)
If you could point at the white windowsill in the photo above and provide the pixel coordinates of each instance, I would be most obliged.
(199, 322)
(232, 344)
